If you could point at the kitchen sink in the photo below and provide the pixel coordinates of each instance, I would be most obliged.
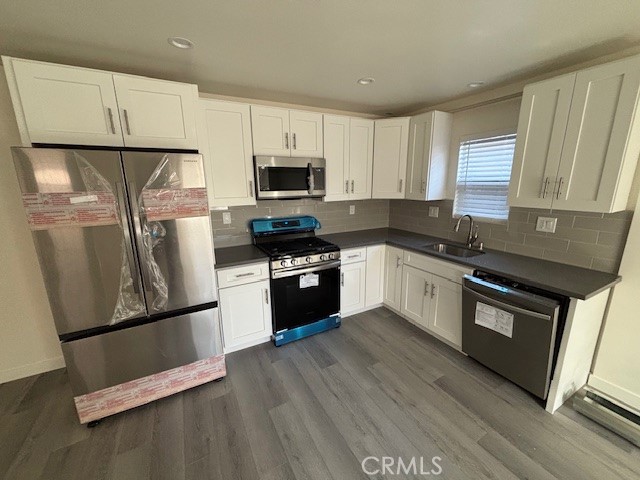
(454, 250)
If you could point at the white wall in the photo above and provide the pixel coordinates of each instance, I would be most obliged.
(501, 117)
(28, 341)
(616, 369)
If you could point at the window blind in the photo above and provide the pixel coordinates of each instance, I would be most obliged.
(484, 171)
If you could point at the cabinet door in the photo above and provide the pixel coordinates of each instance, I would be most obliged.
(544, 113)
(306, 134)
(599, 133)
(246, 314)
(270, 130)
(156, 113)
(68, 105)
(390, 157)
(352, 287)
(360, 158)
(224, 137)
(336, 151)
(392, 277)
(415, 295)
(420, 133)
(374, 292)
(445, 309)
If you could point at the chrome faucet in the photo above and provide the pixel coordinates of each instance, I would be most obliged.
(473, 232)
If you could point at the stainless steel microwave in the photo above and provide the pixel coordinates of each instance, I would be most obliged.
(289, 177)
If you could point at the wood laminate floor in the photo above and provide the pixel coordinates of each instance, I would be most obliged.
(314, 409)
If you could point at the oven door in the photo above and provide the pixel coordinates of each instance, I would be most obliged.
(283, 177)
(305, 295)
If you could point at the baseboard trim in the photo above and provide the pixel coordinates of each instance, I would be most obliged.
(619, 395)
(360, 310)
(242, 346)
(31, 369)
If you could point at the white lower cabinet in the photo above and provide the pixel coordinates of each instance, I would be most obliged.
(392, 277)
(415, 295)
(445, 310)
(246, 314)
(352, 287)
(374, 285)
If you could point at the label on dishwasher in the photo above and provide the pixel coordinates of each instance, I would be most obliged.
(495, 319)
(309, 280)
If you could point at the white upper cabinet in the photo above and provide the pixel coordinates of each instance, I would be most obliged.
(602, 142)
(348, 149)
(156, 113)
(288, 133)
(224, 137)
(306, 134)
(390, 157)
(429, 140)
(62, 104)
(544, 113)
(66, 105)
(579, 140)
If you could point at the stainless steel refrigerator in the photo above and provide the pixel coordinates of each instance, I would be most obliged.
(125, 247)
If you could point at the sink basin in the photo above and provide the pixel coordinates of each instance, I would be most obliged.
(455, 250)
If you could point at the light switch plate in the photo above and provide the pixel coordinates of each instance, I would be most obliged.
(226, 218)
(434, 211)
(546, 224)
(352, 209)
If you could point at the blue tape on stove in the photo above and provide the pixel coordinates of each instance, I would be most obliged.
(269, 226)
(307, 330)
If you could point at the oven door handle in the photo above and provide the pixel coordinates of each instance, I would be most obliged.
(310, 179)
(493, 302)
(300, 271)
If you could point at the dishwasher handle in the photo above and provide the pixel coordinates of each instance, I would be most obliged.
(512, 308)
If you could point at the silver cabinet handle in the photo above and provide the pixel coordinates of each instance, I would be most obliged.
(346, 186)
(353, 183)
(286, 140)
(342, 279)
(559, 188)
(113, 125)
(266, 296)
(251, 188)
(356, 255)
(248, 274)
(126, 121)
(294, 141)
(545, 185)
(433, 289)
(398, 262)
(400, 186)
(424, 186)
(426, 288)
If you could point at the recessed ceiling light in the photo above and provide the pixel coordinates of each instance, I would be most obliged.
(475, 84)
(180, 42)
(366, 80)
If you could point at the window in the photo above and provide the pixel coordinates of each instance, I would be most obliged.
(484, 170)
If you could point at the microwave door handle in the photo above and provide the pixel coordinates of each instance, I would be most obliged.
(310, 179)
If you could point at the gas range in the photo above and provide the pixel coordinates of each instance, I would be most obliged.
(305, 276)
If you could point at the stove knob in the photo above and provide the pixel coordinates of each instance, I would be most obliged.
(293, 261)
(308, 259)
(323, 257)
(283, 263)
(330, 256)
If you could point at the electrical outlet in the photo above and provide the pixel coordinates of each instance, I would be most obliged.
(352, 209)
(434, 211)
(546, 224)
(226, 218)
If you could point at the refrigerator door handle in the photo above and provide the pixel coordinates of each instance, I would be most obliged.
(146, 280)
(128, 245)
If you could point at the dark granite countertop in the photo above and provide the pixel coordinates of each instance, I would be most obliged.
(556, 277)
(240, 255)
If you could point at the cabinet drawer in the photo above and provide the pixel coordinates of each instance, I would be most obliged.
(444, 269)
(353, 255)
(231, 277)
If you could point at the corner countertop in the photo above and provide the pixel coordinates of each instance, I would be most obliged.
(240, 255)
(576, 282)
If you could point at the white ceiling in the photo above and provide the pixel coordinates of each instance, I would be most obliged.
(312, 52)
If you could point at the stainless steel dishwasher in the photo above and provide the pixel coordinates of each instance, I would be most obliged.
(512, 329)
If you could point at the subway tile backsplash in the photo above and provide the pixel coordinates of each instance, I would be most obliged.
(333, 216)
(591, 240)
